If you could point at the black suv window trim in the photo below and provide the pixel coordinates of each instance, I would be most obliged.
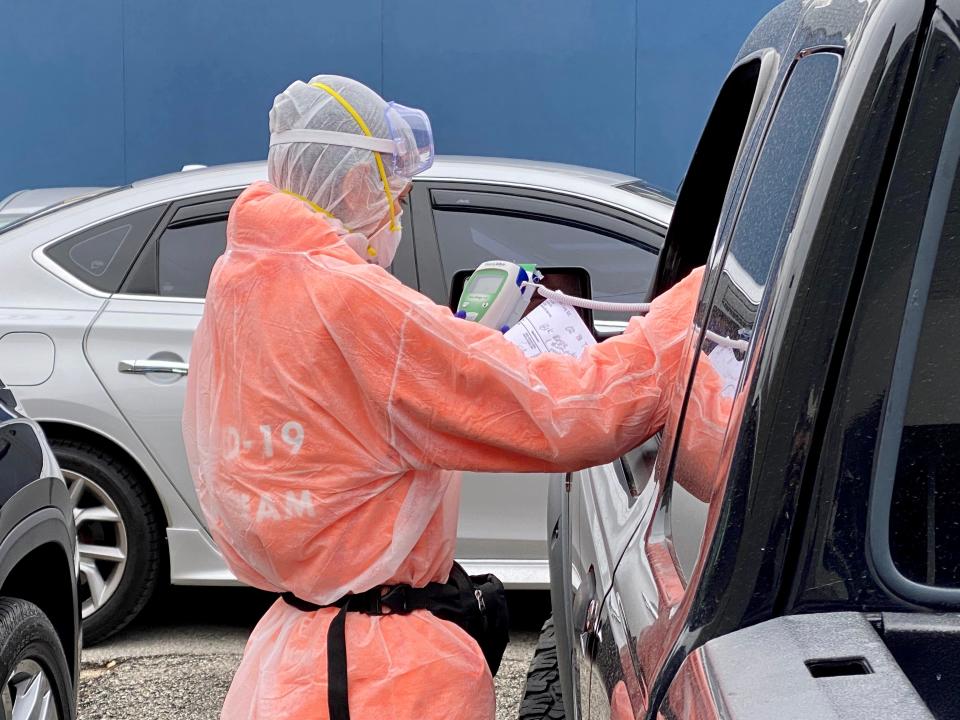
(891, 431)
(663, 529)
(709, 184)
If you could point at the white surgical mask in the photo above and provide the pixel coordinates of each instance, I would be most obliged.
(379, 248)
(384, 242)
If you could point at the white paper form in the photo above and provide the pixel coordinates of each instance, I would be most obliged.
(551, 327)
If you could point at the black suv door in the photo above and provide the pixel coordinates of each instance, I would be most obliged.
(689, 470)
(600, 509)
(715, 550)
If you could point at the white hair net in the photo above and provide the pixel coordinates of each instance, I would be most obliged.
(344, 181)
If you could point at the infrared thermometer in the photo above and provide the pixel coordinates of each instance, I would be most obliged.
(497, 293)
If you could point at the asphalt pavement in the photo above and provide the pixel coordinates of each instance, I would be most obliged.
(178, 659)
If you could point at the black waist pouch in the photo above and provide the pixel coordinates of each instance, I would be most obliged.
(477, 603)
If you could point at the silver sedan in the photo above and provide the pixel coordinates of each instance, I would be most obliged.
(101, 296)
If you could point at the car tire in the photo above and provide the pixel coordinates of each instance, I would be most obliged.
(542, 697)
(110, 488)
(33, 667)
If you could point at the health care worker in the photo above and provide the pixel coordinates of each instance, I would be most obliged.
(329, 408)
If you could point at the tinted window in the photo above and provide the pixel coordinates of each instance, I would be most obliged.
(620, 269)
(763, 226)
(186, 255)
(925, 513)
(96, 253)
(101, 256)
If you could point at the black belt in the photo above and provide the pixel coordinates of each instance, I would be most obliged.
(477, 603)
(381, 600)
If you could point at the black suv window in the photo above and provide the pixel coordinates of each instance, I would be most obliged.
(924, 531)
(765, 221)
(914, 521)
(102, 255)
(621, 268)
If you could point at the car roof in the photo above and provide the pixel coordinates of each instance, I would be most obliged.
(35, 199)
(613, 189)
(598, 184)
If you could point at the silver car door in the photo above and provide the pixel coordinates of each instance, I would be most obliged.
(459, 227)
(139, 345)
(613, 498)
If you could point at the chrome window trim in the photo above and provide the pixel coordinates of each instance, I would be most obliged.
(54, 269)
(157, 298)
(610, 326)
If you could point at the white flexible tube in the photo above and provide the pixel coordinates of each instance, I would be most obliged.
(741, 345)
(635, 308)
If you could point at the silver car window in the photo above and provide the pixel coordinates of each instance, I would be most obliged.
(186, 255)
(102, 255)
(620, 270)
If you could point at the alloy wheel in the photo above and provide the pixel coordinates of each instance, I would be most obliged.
(102, 540)
(28, 695)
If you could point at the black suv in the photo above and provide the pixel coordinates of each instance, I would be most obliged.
(39, 613)
(789, 546)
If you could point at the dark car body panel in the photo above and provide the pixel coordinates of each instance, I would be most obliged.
(37, 534)
(829, 555)
(785, 668)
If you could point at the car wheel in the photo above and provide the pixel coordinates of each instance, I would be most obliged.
(36, 678)
(541, 694)
(119, 538)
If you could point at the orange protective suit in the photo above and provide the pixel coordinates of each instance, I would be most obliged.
(328, 408)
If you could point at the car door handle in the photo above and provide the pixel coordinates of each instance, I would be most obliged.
(590, 624)
(142, 367)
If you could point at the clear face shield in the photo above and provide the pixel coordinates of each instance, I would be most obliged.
(410, 130)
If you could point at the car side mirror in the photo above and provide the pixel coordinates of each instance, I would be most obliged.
(568, 280)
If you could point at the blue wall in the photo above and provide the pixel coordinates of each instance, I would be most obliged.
(106, 92)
